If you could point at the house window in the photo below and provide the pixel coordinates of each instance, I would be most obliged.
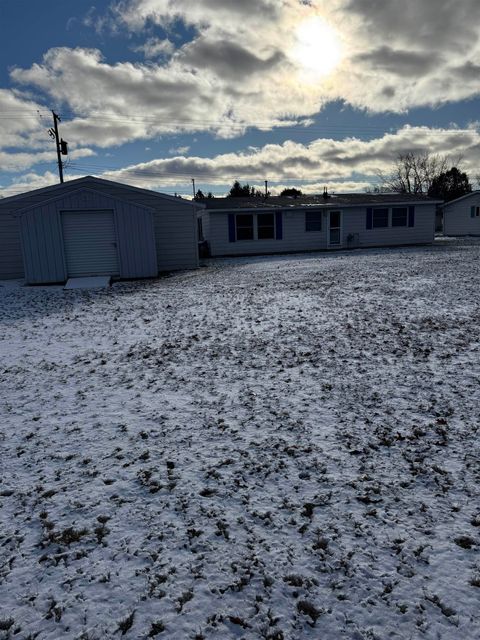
(399, 217)
(477, 212)
(313, 220)
(380, 218)
(265, 226)
(244, 225)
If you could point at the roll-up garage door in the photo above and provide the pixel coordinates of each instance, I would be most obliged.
(90, 243)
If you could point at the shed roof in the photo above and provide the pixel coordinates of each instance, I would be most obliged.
(467, 195)
(333, 201)
(54, 189)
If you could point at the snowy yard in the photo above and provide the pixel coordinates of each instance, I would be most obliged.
(266, 448)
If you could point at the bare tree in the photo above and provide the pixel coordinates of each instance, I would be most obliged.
(415, 172)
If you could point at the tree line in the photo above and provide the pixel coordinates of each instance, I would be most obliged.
(422, 173)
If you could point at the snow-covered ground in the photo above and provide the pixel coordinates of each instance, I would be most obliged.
(276, 448)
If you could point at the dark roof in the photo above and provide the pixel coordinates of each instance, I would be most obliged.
(333, 200)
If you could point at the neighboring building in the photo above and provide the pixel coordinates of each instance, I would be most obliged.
(461, 217)
(92, 226)
(243, 226)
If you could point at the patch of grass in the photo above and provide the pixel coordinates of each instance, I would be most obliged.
(466, 542)
(6, 623)
(126, 624)
(68, 536)
(308, 609)
(156, 628)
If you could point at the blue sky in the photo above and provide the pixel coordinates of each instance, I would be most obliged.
(304, 93)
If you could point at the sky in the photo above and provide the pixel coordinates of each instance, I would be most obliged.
(304, 93)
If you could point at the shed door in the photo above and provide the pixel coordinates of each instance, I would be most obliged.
(90, 243)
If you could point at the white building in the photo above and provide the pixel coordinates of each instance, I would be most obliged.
(247, 226)
(461, 217)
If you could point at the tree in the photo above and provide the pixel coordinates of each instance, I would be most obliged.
(414, 172)
(291, 192)
(243, 191)
(450, 185)
(199, 195)
(239, 191)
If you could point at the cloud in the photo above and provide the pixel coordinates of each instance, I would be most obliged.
(237, 67)
(156, 48)
(20, 161)
(179, 150)
(347, 162)
(350, 164)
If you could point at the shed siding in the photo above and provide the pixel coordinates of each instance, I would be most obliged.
(295, 238)
(134, 229)
(457, 220)
(42, 246)
(11, 263)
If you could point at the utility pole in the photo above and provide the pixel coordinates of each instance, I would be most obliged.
(193, 186)
(62, 147)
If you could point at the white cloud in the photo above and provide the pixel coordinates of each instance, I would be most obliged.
(181, 151)
(351, 162)
(230, 75)
(156, 48)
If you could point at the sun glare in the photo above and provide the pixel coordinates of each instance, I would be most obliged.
(317, 48)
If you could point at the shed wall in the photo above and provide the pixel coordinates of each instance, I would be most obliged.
(457, 220)
(11, 262)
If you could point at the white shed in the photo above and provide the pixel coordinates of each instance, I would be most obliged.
(92, 226)
(461, 217)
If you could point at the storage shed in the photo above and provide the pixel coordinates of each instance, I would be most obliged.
(461, 217)
(91, 226)
(249, 226)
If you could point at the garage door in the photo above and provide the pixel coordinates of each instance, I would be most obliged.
(90, 243)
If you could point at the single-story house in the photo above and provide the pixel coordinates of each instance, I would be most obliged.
(92, 227)
(461, 217)
(247, 226)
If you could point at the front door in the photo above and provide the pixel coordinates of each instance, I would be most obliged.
(334, 228)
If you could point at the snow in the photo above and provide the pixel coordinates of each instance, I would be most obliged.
(279, 448)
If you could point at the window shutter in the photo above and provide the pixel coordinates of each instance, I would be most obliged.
(411, 216)
(369, 218)
(278, 225)
(231, 227)
(472, 212)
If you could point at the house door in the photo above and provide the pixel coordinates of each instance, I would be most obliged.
(334, 228)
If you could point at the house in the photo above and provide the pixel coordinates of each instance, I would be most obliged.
(461, 217)
(92, 226)
(247, 226)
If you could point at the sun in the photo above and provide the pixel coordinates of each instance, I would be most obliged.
(317, 49)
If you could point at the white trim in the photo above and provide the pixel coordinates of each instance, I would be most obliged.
(340, 243)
